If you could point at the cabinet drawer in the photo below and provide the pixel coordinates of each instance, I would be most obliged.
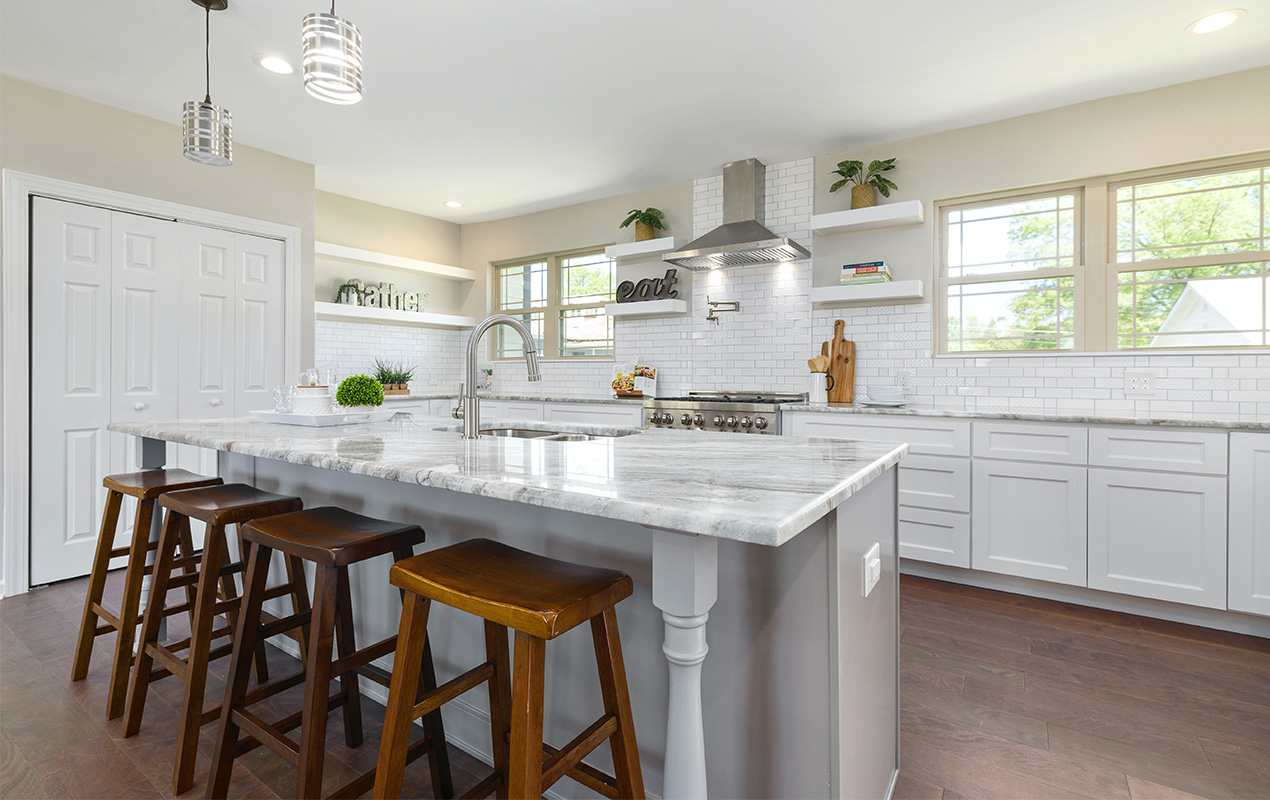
(1202, 452)
(940, 537)
(622, 416)
(939, 482)
(935, 436)
(1022, 441)
(442, 407)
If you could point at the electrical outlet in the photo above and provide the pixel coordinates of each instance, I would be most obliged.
(871, 568)
(1139, 383)
(904, 377)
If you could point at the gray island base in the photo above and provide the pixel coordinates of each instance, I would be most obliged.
(753, 545)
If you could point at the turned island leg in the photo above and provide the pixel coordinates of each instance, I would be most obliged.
(685, 587)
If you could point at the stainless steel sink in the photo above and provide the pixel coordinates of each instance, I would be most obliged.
(517, 433)
(574, 437)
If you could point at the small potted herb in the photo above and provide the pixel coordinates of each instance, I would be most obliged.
(864, 182)
(349, 293)
(360, 393)
(647, 223)
(394, 376)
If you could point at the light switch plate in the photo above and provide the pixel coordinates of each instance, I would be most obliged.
(872, 568)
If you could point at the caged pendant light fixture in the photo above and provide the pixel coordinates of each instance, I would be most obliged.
(332, 58)
(208, 128)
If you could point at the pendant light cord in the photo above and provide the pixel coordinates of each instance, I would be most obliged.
(207, 54)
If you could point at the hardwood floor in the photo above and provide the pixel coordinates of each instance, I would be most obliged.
(1003, 696)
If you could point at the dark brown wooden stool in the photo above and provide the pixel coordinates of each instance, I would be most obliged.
(540, 598)
(146, 486)
(219, 507)
(332, 539)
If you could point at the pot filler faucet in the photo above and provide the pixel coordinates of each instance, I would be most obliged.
(469, 408)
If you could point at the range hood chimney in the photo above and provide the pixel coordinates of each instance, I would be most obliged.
(741, 241)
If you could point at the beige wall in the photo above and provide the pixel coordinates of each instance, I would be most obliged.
(582, 225)
(1218, 116)
(357, 223)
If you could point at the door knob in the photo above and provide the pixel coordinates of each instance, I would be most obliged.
(140, 406)
(216, 402)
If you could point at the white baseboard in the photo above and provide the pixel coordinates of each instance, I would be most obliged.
(1232, 621)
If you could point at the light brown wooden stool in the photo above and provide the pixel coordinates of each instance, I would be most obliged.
(332, 539)
(540, 598)
(219, 507)
(145, 486)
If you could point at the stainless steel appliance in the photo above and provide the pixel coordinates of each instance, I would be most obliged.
(733, 411)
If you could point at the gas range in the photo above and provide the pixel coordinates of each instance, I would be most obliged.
(732, 411)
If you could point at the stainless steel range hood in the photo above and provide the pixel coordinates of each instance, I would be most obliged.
(741, 240)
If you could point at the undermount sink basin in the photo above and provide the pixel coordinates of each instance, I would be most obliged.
(549, 436)
(516, 433)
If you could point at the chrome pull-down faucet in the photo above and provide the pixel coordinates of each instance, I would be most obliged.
(469, 409)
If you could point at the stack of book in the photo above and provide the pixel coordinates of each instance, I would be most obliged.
(869, 272)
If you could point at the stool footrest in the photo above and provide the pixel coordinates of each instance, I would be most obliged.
(366, 781)
(273, 732)
(277, 626)
(452, 689)
(264, 733)
(355, 661)
(483, 789)
(564, 760)
(377, 674)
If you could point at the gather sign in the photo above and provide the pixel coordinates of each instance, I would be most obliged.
(386, 295)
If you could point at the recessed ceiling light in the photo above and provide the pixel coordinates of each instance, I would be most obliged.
(453, 204)
(1217, 21)
(275, 64)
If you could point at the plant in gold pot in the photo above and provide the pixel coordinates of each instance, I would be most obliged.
(864, 182)
(647, 223)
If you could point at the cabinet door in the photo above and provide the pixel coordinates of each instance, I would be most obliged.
(259, 321)
(1158, 535)
(1250, 522)
(1029, 520)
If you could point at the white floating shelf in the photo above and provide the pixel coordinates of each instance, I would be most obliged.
(866, 293)
(643, 250)
(647, 308)
(391, 316)
(356, 255)
(887, 215)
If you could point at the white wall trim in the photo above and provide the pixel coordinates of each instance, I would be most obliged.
(18, 189)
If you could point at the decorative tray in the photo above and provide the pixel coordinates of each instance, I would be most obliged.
(325, 420)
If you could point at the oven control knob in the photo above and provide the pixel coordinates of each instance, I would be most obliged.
(731, 422)
(686, 419)
(718, 421)
(664, 419)
(655, 417)
(698, 420)
(760, 423)
(746, 422)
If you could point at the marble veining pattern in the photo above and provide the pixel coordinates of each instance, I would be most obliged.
(1249, 422)
(552, 398)
(761, 490)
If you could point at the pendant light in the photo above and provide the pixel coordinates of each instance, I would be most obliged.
(208, 128)
(332, 58)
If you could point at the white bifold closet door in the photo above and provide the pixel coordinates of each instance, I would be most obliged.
(135, 318)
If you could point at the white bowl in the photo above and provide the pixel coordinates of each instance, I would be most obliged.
(886, 394)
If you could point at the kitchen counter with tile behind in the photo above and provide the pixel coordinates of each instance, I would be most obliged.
(1235, 421)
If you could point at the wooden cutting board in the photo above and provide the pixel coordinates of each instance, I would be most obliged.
(841, 355)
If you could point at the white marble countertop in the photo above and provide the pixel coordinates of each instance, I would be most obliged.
(631, 401)
(1251, 422)
(757, 489)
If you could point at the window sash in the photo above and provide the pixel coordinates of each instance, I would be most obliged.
(549, 312)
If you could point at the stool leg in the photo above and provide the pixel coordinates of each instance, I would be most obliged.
(128, 609)
(239, 670)
(299, 596)
(196, 661)
(500, 698)
(617, 700)
(96, 586)
(525, 769)
(229, 590)
(144, 662)
(317, 683)
(346, 646)
(391, 766)
(187, 551)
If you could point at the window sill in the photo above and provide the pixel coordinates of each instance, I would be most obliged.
(1198, 351)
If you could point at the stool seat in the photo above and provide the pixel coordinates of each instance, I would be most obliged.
(534, 594)
(229, 503)
(332, 536)
(150, 483)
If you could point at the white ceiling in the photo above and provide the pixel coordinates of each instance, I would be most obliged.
(513, 107)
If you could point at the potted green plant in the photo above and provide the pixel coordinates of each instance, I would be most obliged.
(647, 223)
(350, 293)
(360, 393)
(864, 182)
(394, 376)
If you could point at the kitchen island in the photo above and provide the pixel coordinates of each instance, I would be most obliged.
(798, 697)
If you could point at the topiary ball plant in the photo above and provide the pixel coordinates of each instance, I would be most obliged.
(359, 390)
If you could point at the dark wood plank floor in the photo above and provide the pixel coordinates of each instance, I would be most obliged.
(1003, 696)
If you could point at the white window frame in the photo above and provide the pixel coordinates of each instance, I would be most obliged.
(1097, 274)
(549, 347)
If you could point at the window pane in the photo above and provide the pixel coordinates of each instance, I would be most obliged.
(509, 342)
(1222, 306)
(1197, 216)
(1012, 315)
(1012, 237)
(586, 332)
(523, 285)
(587, 279)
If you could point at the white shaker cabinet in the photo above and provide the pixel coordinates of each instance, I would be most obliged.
(616, 414)
(1249, 576)
(1158, 534)
(1029, 520)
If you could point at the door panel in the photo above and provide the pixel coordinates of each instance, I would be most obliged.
(1250, 523)
(259, 325)
(207, 306)
(1029, 520)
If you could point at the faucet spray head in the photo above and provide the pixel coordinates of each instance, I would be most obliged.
(531, 362)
